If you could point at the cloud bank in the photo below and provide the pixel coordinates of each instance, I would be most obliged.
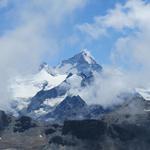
(131, 51)
(132, 19)
(30, 37)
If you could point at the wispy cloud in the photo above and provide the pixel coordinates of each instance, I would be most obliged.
(23, 46)
(131, 49)
(131, 15)
(132, 21)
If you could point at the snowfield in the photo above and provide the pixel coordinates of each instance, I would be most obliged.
(26, 87)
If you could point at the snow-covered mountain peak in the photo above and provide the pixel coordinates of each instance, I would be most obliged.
(28, 86)
(50, 85)
(82, 62)
(87, 56)
(84, 57)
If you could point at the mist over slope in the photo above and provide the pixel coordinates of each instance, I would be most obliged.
(79, 104)
(53, 93)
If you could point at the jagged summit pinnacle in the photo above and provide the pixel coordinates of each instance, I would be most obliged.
(86, 52)
(82, 62)
(87, 56)
(83, 57)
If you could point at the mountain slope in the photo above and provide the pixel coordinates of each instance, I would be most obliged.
(58, 86)
(27, 87)
(80, 63)
(72, 107)
(46, 100)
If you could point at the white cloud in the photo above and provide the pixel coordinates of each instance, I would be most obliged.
(134, 14)
(106, 88)
(132, 18)
(93, 30)
(23, 47)
(131, 50)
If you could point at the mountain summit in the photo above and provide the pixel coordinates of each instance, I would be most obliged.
(53, 84)
(83, 62)
(83, 57)
(57, 93)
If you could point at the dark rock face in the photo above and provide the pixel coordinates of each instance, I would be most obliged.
(126, 132)
(58, 140)
(70, 107)
(4, 120)
(96, 111)
(50, 131)
(106, 136)
(87, 79)
(75, 108)
(85, 66)
(41, 96)
(37, 101)
(70, 103)
(85, 129)
(24, 123)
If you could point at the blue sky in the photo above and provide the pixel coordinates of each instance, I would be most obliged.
(60, 30)
(100, 48)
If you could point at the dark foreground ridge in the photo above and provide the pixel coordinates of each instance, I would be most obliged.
(105, 134)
